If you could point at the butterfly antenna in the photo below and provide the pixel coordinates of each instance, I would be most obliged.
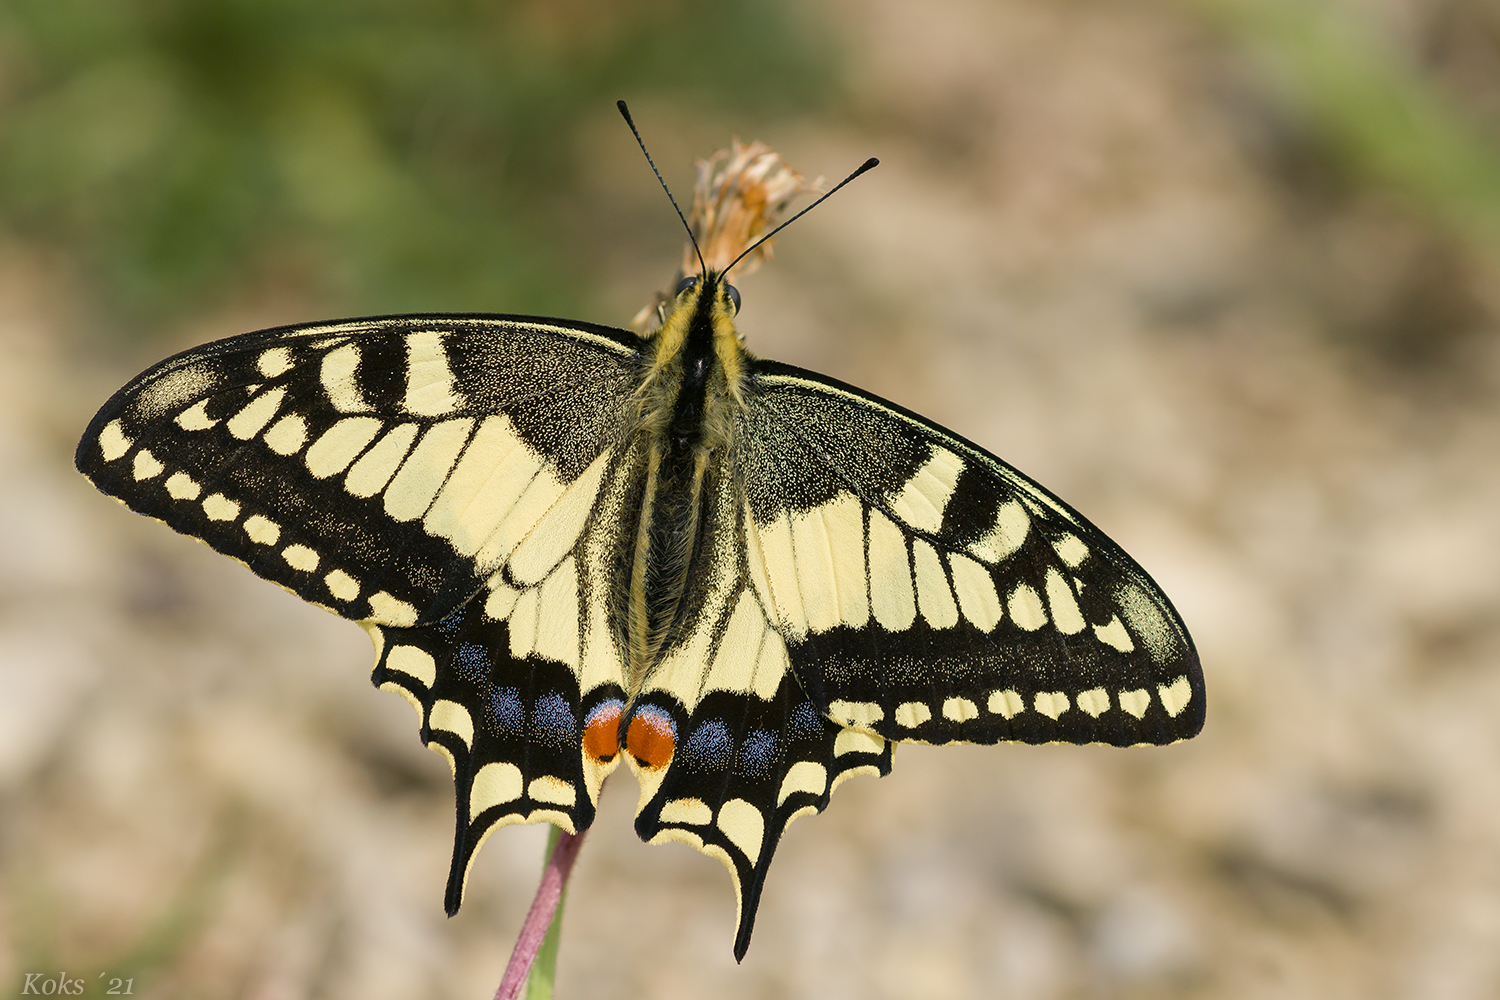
(702, 267)
(869, 164)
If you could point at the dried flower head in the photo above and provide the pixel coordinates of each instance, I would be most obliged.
(741, 192)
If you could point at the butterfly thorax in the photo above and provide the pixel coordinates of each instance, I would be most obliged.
(687, 401)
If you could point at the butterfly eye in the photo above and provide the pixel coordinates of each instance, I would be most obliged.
(734, 297)
(686, 283)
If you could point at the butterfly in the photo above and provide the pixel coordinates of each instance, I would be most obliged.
(575, 545)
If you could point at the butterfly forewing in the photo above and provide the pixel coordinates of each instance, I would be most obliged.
(377, 468)
(929, 592)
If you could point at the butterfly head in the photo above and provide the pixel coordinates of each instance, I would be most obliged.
(720, 294)
(706, 303)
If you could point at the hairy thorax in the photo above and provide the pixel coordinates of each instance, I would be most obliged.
(688, 404)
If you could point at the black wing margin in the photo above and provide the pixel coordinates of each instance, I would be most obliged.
(929, 592)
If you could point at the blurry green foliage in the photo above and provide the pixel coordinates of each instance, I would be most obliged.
(387, 154)
(1373, 108)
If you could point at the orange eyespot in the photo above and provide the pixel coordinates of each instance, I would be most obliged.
(601, 731)
(652, 737)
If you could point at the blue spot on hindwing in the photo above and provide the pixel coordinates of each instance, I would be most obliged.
(506, 711)
(553, 721)
(758, 753)
(472, 662)
(449, 626)
(710, 747)
(805, 723)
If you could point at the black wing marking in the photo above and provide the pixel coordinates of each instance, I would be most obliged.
(929, 592)
(377, 467)
(725, 744)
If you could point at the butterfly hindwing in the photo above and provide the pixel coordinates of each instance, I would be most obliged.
(745, 768)
(375, 467)
(929, 592)
(519, 688)
(724, 741)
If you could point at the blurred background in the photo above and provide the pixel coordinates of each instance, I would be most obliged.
(1222, 273)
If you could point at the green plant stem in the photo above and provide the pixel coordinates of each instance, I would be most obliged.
(534, 960)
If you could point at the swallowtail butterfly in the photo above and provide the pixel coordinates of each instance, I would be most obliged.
(574, 545)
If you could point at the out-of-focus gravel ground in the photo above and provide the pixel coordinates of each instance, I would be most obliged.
(1084, 250)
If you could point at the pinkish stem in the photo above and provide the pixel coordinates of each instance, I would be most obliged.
(543, 907)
